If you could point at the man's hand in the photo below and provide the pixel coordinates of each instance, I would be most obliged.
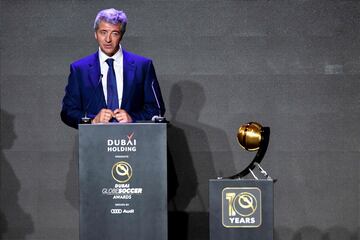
(103, 116)
(122, 116)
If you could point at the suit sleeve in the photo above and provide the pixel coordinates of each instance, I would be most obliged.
(153, 104)
(71, 112)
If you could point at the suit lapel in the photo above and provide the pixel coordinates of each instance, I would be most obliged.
(94, 70)
(129, 73)
(95, 78)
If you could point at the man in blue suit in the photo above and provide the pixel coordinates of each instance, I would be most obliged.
(111, 85)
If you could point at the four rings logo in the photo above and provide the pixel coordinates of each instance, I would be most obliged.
(241, 207)
(121, 172)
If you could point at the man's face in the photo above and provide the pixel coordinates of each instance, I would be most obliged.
(108, 36)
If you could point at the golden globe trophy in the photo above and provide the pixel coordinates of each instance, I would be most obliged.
(253, 137)
(239, 207)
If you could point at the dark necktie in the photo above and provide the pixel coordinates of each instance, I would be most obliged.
(112, 94)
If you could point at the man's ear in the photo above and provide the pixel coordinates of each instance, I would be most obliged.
(95, 35)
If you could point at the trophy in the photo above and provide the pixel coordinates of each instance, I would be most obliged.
(253, 137)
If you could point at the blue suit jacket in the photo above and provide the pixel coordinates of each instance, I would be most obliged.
(84, 93)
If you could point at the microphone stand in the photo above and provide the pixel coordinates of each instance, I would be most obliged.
(85, 119)
(159, 118)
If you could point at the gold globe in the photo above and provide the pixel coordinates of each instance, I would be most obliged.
(249, 136)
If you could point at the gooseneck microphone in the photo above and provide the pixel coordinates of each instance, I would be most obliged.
(157, 118)
(86, 119)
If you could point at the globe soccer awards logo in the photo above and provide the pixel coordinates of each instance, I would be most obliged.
(241, 207)
(121, 172)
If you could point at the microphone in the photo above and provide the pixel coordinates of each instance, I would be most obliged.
(86, 119)
(157, 118)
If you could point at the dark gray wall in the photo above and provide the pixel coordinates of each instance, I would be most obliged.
(291, 65)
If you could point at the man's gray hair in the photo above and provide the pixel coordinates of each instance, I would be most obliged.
(112, 16)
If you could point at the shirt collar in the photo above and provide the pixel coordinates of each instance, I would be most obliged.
(116, 56)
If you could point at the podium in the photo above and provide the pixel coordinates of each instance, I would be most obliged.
(241, 209)
(123, 181)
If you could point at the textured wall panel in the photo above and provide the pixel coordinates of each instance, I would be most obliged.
(291, 65)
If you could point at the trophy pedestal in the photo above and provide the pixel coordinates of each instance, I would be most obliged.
(241, 209)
